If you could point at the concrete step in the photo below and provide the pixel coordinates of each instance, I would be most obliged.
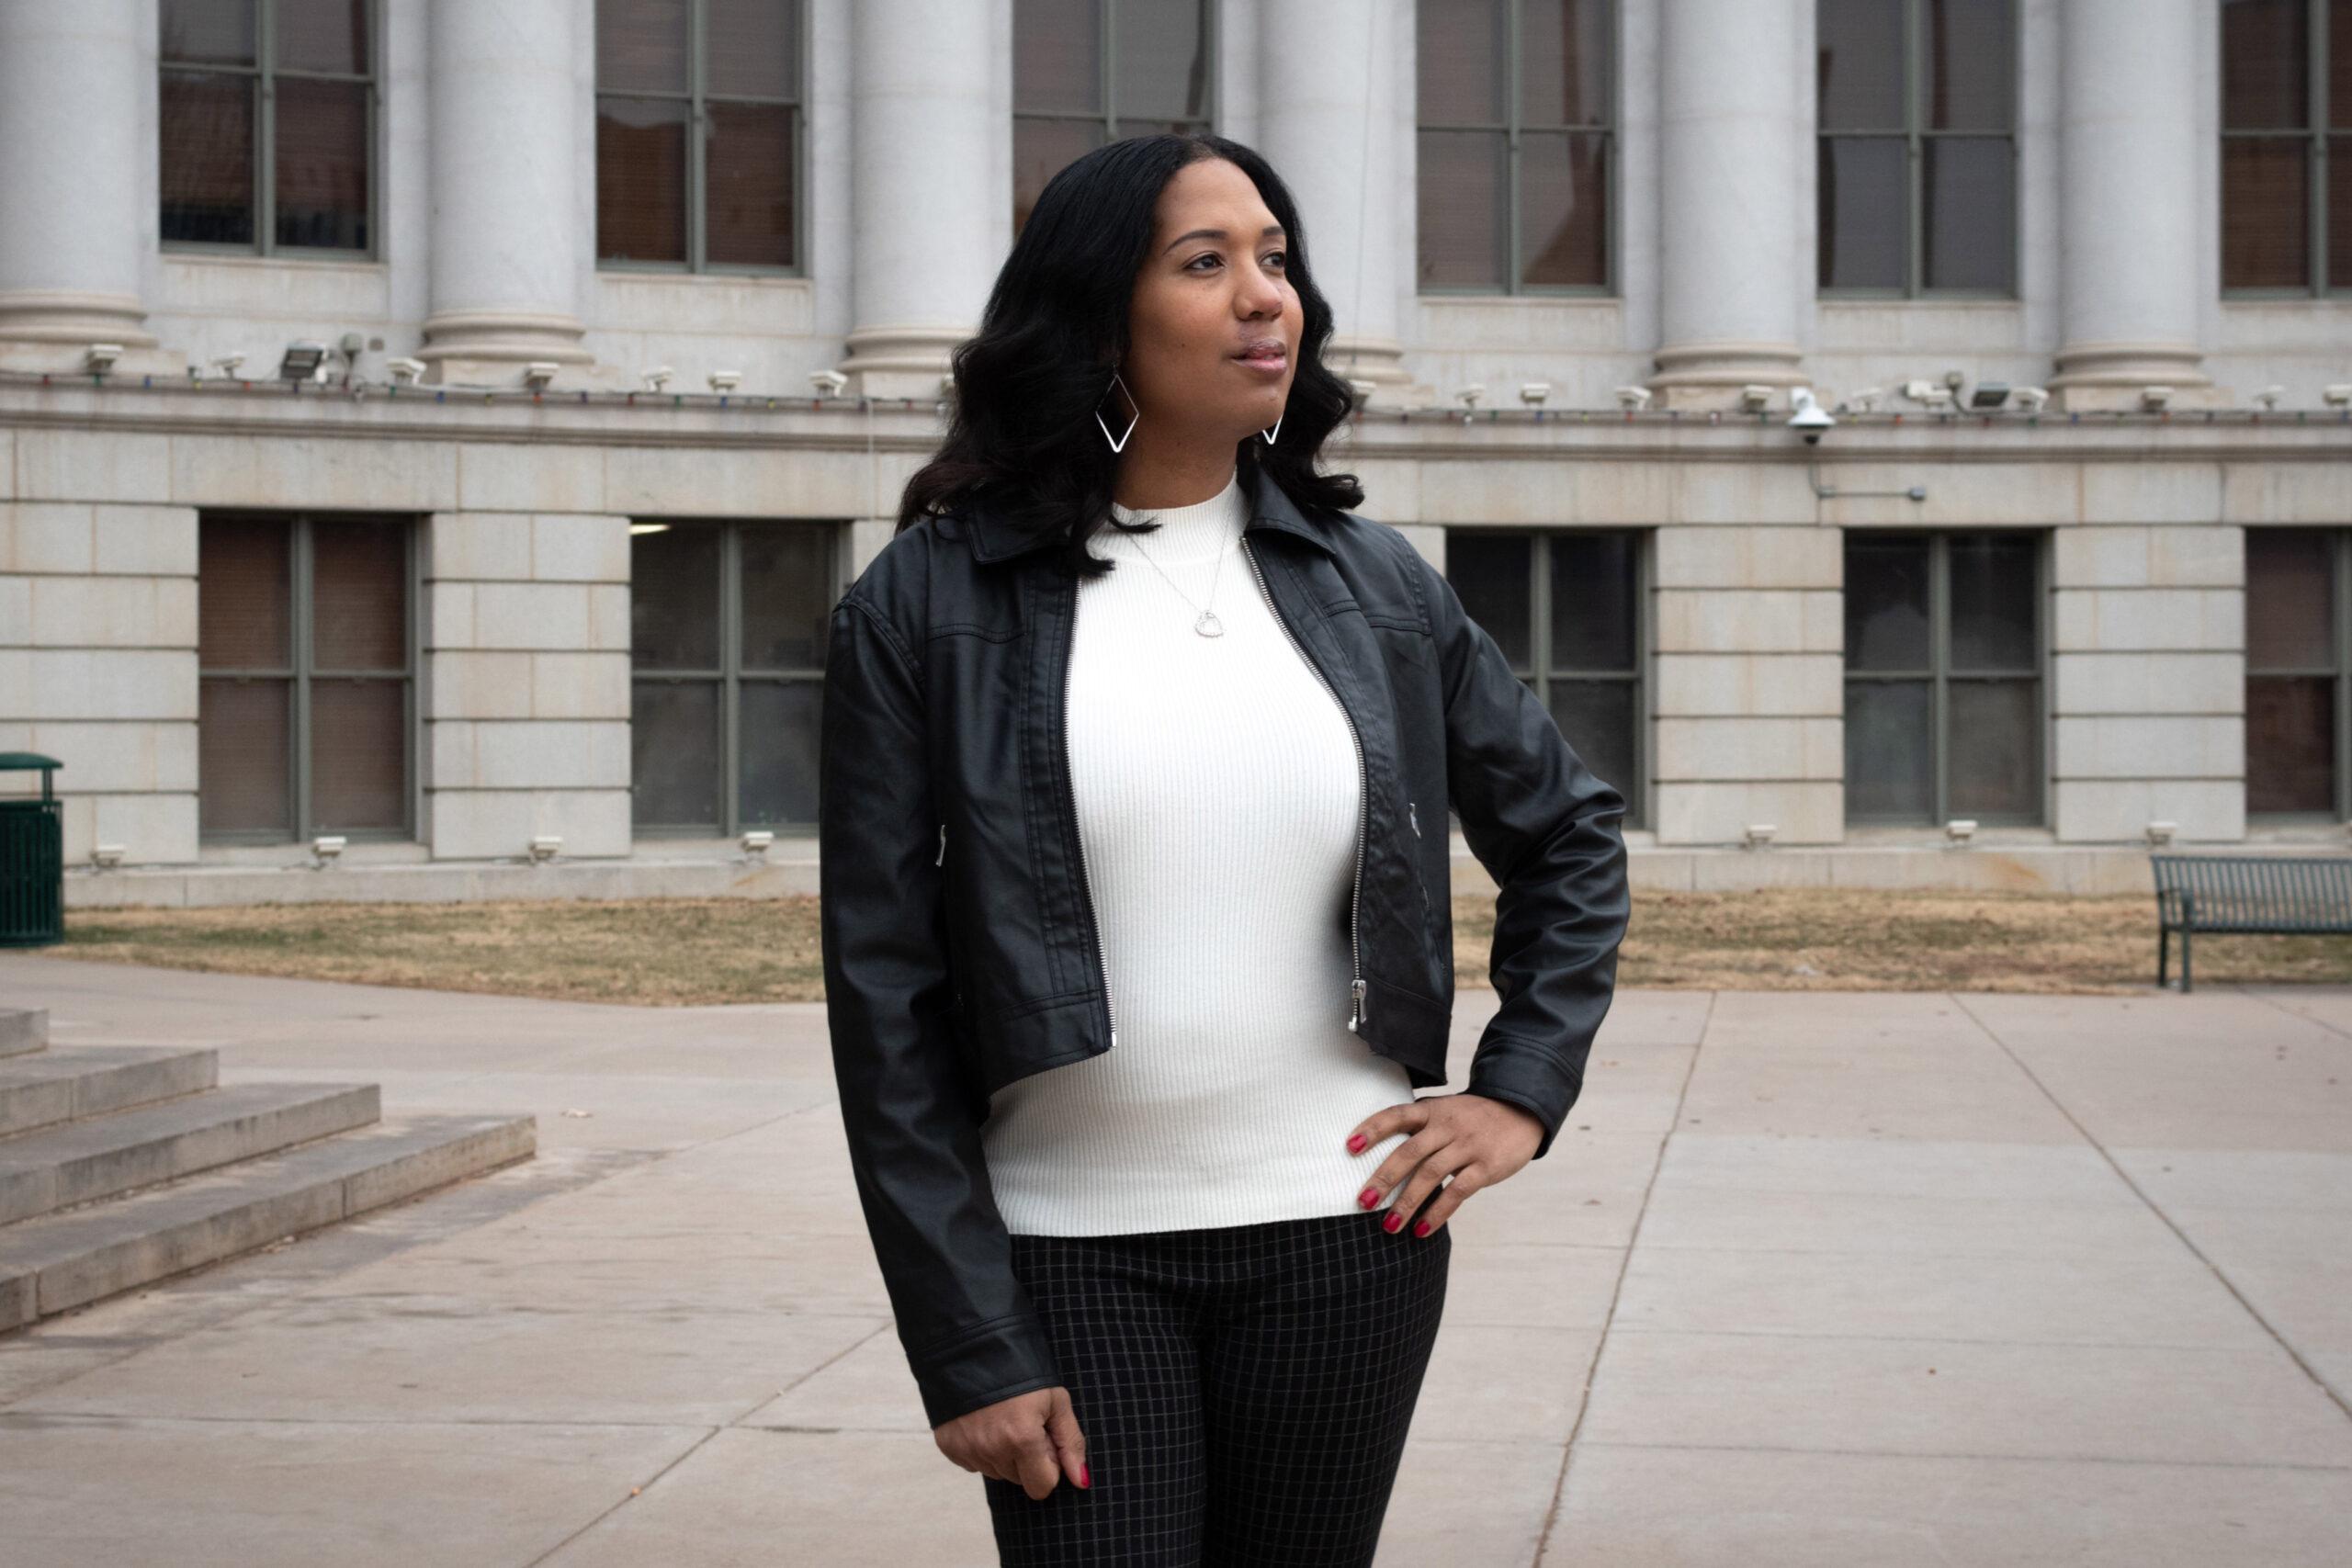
(76, 1081)
(23, 1030)
(81, 1161)
(62, 1260)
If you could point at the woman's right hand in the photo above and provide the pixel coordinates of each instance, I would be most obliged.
(1031, 1440)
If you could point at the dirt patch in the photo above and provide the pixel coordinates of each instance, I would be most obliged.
(698, 952)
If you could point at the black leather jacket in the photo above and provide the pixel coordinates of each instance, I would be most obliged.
(960, 948)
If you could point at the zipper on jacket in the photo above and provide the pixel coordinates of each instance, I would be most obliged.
(943, 845)
(1086, 891)
(1356, 1010)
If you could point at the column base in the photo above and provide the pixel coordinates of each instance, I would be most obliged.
(1712, 375)
(2108, 376)
(1380, 361)
(493, 349)
(52, 328)
(899, 362)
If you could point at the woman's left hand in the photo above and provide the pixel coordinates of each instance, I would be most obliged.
(1475, 1140)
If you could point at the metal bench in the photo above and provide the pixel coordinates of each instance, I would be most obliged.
(2275, 894)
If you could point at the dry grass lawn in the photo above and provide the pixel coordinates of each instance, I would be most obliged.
(693, 951)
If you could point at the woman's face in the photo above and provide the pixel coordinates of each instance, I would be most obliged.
(1214, 283)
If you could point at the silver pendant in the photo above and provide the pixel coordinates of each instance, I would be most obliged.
(1207, 624)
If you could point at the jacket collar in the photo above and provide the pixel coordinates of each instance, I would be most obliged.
(993, 538)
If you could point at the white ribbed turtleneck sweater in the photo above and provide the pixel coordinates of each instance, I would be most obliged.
(1218, 802)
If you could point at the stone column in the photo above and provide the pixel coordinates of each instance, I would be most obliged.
(933, 199)
(2129, 237)
(501, 93)
(1729, 192)
(77, 94)
(1328, 107)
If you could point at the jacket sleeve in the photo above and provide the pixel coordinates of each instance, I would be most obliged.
(1548, 830)
(913, 1116)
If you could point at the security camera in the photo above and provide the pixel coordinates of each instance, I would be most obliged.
(99, 357)
(2338, 394)
(539, 372)
(726, 380)
(226, 364)
(828, 383)
(1468, 396)
(1533, 393)
(1632, 399)
(2031, 398)
(1755, 397)
(2269, 396)
(1927, 394)
(658, 377)
(1862, 402)
(405, 371)
(2156, 399)
(1811, 419)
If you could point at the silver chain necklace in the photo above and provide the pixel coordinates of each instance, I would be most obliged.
(1205, 623)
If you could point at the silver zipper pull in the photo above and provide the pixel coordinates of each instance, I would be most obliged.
(1416, 818)
(1356, 1008)
(943, 845)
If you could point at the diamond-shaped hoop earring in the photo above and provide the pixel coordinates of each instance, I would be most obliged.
(1277, 430)
(1119, 441)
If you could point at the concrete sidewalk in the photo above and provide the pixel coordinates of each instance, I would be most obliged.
(1819, 1278)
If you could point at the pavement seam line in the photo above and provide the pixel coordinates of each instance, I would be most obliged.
(1617, 1288)
(2155, 1208)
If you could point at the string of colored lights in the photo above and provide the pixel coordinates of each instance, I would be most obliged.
(459, 396)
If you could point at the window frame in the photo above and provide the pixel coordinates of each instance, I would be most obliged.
(697, 98)
(1106, 77)
(1538, 675)
(301, 670)
(2315, 135)
(264, 74)
(1612, 285)
(1940, 676)
(2339, 591)
(1915, 161)
(731, 676)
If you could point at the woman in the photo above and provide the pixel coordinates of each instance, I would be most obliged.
(1133, 879)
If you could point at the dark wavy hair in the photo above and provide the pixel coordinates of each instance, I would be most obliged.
(1022, 439)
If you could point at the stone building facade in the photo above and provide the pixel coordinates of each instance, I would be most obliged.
(507, 609)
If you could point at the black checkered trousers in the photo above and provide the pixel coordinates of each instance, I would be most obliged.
(1244, 1391)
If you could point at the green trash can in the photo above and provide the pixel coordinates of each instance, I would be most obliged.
(32, 859)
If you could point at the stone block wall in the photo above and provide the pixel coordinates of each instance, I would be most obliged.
(526, 683)
(2148, 681)
(98, 668)
(1748, 632)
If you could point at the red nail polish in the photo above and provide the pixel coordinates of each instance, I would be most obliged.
(1392, 1222)
(1355, 1144)
(1084, 1478)
(1421, 1229)
(1369, 1197)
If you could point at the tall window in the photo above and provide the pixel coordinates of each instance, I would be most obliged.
(728, 646)
(2295, 671)
(267, 111)
(700, 126)
(1944, 635)
(306, 652)
(1516, 113)
(1565, 605)
(2286, 146)
(1086, 73)
(1916, 176)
